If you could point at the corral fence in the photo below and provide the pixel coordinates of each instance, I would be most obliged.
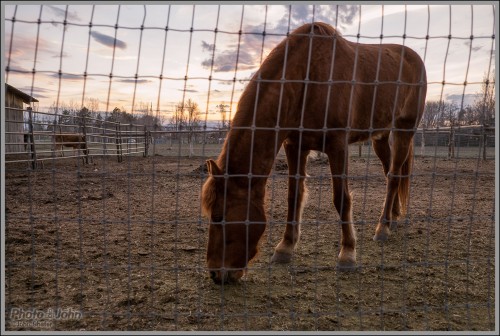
(42, 136)
(37, 138)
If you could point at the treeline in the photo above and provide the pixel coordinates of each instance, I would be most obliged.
(450, 114)
(90, 115)
(187, 117)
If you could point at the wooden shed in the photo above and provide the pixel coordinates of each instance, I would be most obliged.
(14, 118)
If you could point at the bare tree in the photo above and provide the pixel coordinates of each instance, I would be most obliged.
(193, 123)
(430, 119)
(178, 119)
(145, 116)
(186, 117)
(449, 114)
(92, 105)
(224, 120)
(467, 116)
(485, 104)
(485, 107)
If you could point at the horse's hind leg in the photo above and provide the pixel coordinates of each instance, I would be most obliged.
(383, 150)
(342, 199)
(402, 140)
(296, 201)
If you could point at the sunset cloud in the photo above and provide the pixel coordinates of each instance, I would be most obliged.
(133, 81)
(250, 49)
(165, 57)
(63, 13)
(108, 41)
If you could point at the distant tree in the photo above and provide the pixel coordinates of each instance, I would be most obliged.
(145, 116)
(98, 122)
(178, 120)
(484, 106)
(439, 113)
(224, 120)
(65, 118)
(449, 116)
(92, 105)
(430, 119)
(115, 115)
(187, 117)
(84, 116)
(193, 123)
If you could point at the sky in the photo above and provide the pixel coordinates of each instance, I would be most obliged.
(191, 48)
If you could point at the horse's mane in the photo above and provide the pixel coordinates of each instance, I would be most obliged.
(317, 28)
(274, 58)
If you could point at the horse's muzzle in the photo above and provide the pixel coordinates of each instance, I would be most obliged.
(225, 277)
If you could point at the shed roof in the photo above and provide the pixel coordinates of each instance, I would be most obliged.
(26, 98)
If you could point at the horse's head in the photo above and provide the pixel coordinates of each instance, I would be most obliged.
(236, 225)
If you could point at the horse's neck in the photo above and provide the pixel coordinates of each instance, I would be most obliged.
(243, 154)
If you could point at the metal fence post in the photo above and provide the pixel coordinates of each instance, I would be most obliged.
(86, 151)
(484, 141)
(32, 138)
(118, 142)
(147, 136)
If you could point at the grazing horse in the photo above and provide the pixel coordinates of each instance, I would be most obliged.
(315, 91)
(76, 141)
(27, 141)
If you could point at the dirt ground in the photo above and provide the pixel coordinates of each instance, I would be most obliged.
(124, 243)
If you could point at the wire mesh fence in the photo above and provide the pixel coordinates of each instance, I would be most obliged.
(157, 227)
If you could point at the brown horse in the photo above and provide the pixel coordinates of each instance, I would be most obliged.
(75, 141)
(315, 91)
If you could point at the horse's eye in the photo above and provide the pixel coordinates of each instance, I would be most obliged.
(216, 218)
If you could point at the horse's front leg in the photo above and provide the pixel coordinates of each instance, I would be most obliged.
(296, 201)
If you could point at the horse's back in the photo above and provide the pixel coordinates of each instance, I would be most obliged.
(357, 85)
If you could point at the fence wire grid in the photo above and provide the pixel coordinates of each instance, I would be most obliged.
(111, 112)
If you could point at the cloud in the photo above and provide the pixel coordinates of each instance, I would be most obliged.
(133, 81)
(58, 54)
(335, 15)
(67, 76)
(225, 82)
(226, 60)
(475, 48)
(468, 98)
(36, 90)
(207, 47)
(24, 46)
(108, 41)
(16, 67)
(62, 13)
(249, 51)
(188, 90)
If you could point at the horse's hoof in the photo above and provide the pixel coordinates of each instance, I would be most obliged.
(381, 233)
(281, 258)
(346, 268)
(380, 237)
(346, 265)
(347, 260)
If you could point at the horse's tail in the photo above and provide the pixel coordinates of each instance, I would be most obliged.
(404, 182)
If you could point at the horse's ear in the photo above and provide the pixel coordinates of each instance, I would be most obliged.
(212, 167)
